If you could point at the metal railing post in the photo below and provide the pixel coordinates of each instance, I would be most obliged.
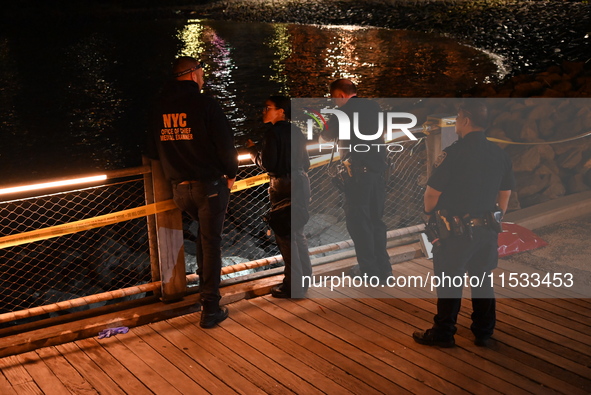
(439, 138)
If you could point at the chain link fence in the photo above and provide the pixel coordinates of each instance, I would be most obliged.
(79, 264)
(117, 256)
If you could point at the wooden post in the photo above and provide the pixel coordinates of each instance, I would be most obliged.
(167, 253)
(151, 220)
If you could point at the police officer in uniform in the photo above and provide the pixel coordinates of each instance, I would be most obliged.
(192, 138)
(364, 181)
(469, 180)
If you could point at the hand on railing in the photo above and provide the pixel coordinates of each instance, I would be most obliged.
(230, 182)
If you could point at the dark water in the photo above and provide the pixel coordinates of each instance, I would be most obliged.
(75, 93)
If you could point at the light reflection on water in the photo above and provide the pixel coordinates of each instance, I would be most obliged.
(82, 105)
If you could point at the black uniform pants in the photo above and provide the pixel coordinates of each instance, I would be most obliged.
(206, 202)
(293, 245)
(365, 195)
(477, 257)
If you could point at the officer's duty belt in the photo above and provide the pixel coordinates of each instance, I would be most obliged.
(478, 222)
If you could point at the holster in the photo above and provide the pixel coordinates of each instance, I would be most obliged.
(443, 224)
(494, 219)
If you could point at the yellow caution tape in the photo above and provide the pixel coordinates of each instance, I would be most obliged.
(85, 224)
(540, 142)
(250, 182)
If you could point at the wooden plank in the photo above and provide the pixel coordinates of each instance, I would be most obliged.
(150, 377)
(254, 356)
(111, 366)
(550, 333)
(205, 360)
(416, 313)
(347, 357)
(577, 328)
(29, 388)
(389, 337)
(245, 328)
(88, 369)
(44, 377)
(185, 364)
(212, 343)
(462, 369)
(380, 360)
(475, 356)
(69, 376)
(14, 372)
(332, 365)
(558, 314)
(173, 375)
(553, 364)
(5, 386)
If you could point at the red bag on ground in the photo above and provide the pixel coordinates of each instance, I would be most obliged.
(515, 238)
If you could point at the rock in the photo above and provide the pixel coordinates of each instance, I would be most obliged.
(555, 189)
(552, 93)
(548, 78)
(547, 129)
(513, 202)
(527, 160)
(117, 265)
(587, 178)
(531, 183)
(576, 184)
(529, 131)
(563, 87)
(546, 152)
(570, 159)
(527, 89)
(573, 69)
(497, 133)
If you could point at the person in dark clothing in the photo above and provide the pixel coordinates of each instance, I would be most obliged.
(192, 138)
(284, 156)
(469, 180)
(364, 181)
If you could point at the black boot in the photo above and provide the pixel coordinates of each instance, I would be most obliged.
(212, 314)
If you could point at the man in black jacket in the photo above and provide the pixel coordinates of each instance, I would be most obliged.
(364, 182)
(192, 138)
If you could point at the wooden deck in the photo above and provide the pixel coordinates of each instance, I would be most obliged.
(322, 345)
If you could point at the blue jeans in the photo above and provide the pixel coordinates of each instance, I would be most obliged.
(206, 202)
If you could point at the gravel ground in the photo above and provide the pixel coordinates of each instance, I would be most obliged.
(568, 250)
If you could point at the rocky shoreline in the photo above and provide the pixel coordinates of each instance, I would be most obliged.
(529, 35)
(547, 46)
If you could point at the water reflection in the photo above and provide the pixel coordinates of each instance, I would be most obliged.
(281, 44)
(84, 102)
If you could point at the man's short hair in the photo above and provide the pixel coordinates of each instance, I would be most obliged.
(344, 85)
(182, 64)
(476, 111)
